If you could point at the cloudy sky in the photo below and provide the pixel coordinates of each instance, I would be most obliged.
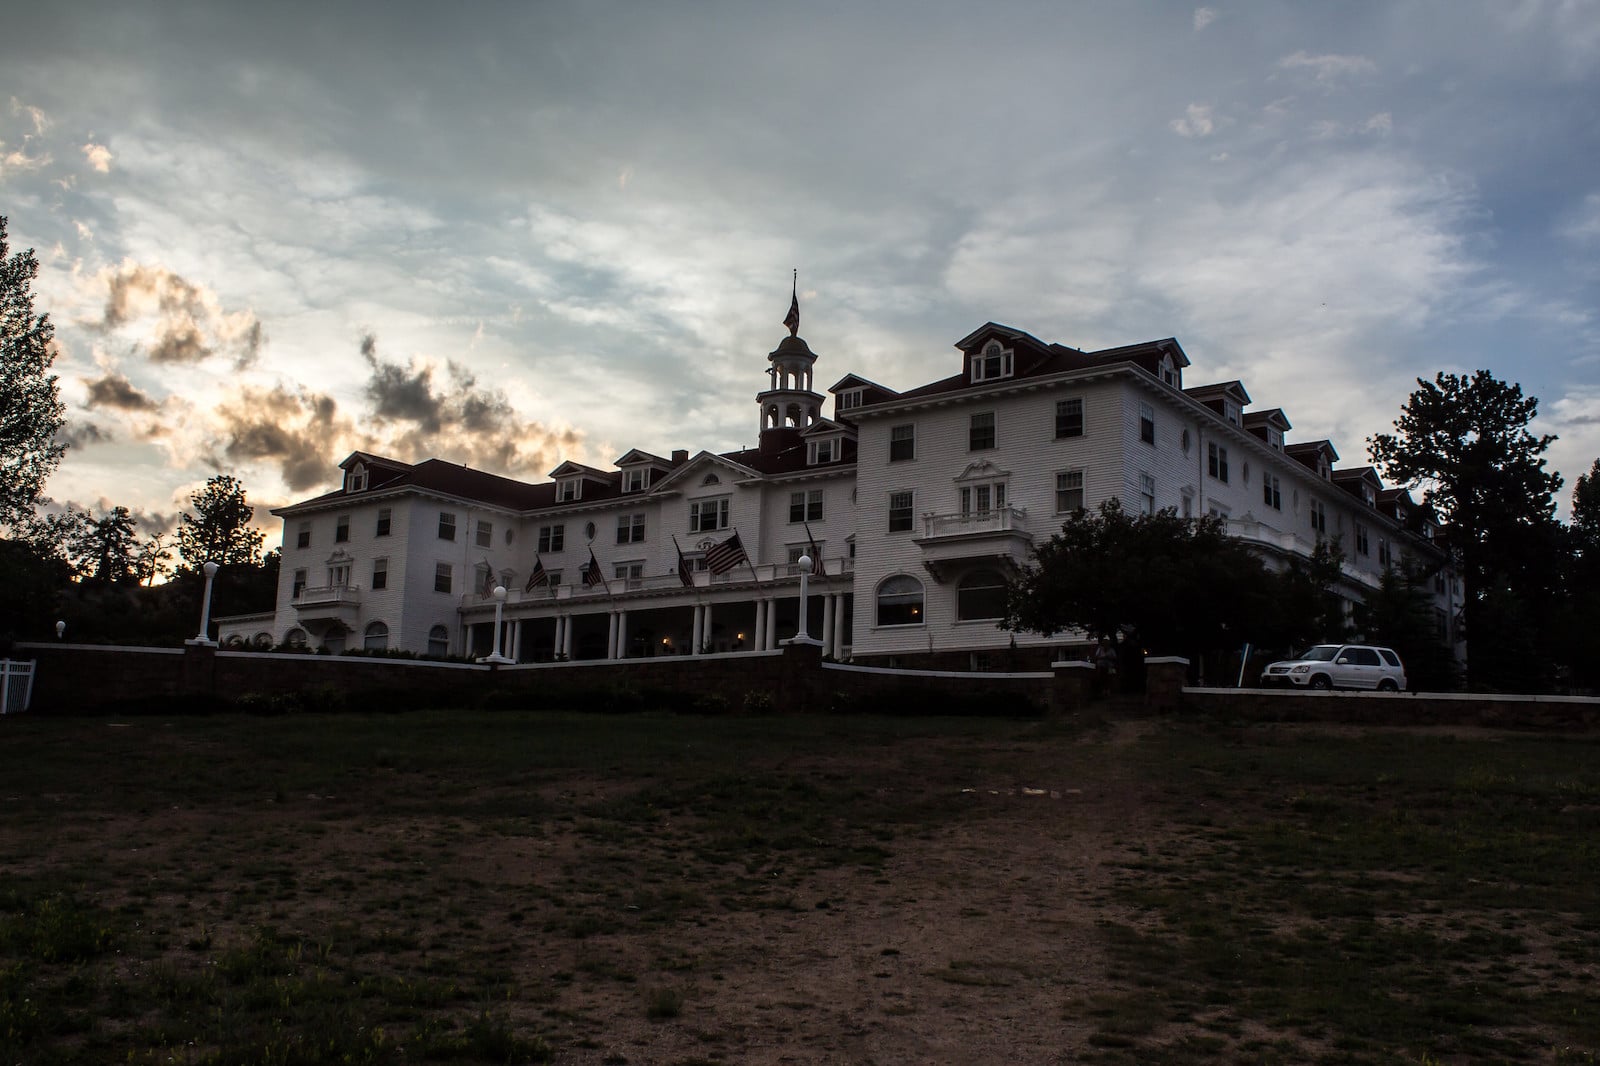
(510, 234)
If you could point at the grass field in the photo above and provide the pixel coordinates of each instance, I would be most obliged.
(515, 887)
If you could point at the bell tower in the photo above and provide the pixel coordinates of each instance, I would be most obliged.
(789, 404)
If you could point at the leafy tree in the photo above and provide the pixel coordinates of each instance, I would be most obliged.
(1466, 441)
(1308, 607)
(115, 545)
(1400, 614)
(30, 404)
(152, 560)
(1586, 512)
(1176, 585)
(65, 536)
(32, 581)
(219, 529)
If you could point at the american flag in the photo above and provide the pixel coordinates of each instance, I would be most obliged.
(725, 556)
(792, 319)
(817, 569)
(685, 574)
(592, 575)
(539, 577)
(488, 580)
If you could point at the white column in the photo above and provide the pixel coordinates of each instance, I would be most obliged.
(705, 637)
(758, 636)
(838, 628)
(516, 639)
(694, 632)
(566, 636)
(828, 600)
(622, 634)
(772, 624)
(611, 635)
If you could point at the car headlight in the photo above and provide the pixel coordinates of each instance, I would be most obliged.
(1301, 670)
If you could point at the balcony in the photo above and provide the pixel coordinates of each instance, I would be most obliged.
(315, 603)
(999, 537)
(784, 574)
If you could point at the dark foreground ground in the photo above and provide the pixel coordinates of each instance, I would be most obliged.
(507, 887)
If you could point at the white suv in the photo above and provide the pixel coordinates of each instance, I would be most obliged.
(1340, 666)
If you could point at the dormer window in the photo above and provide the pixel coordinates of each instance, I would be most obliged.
(993, 363)
(1169, 373)
(1275, 439)
(847, 400)
(1324, 470)
(821, 451)
(1367, 496)
(1230, 411)
(569, 489)
(636, 480)
(357, 481)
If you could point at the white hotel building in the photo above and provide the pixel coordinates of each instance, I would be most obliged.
(918, 504)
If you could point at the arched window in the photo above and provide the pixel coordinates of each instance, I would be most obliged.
(900, 601)
(981, 594)
(295, 638)
(377, 637)
(262, 640)
(439, 641)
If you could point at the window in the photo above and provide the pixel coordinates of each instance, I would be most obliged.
(821, 451)
(794, 551)
(339, 575)
(299, 584)
(1169, 373)
(629, 572)
(708, 515)
(630, 528)
(441, 577)
(1272, 492)
(1069, 491)
(1217, 462)
(1363, 546)
(1319, 517)
(1217, 510)
(302, 537)
(805, 506)
(482, 579)
(376, 637)
(341, 529)
(382, 529)
(1069, 417)
(555, 579)
(569, 489)
(981, 499)
(380, 574)
(485, 537)
(981, 595)
(1275, 439)
(1187, 506)
(447, 526)
(1147, 493)
(900, 601)
(636, 480)
(900, 512)
(552, 538)
(1384, 557)
(358, 478)
(1147, 423)
(980, 433)
(902, 443)
(847, 400)
(1231, 411)
(295, 638)
(993, 363)
(439, 641)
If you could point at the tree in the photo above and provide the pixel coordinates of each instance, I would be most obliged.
(1466, 441)
(219, 530)
(1308, 607)
(152, 560)
(115, 545)
(1586, 512)
(1400, 614)
(30, 404)
(1177, 585)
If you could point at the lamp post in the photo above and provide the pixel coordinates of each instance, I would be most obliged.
(205, 609)
(499, 607)
(801, 636)
(61, 630)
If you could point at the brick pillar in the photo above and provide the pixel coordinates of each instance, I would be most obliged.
(199, 669)
(800, 679)
(1164, 678)
(1069, 687)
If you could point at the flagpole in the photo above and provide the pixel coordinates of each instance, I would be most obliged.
(747, 560)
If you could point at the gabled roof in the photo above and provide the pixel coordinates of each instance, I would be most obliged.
(685, 471)
(856, 381)
(826, 425)
(572, 469)
(1273, 417)
(1353, 478)
(1233, 390)
(1308, 451)
(637, 457)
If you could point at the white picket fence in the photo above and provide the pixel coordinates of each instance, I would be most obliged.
(16, 685)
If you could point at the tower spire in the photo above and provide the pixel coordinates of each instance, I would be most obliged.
(792, 319)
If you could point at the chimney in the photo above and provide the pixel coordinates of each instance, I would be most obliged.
(680, 456)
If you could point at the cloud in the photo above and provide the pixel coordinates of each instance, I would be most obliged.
(115, 390)
(183, 323)
(1583, 225)
(1195, 123)
(18, 159)
(81, 434)
(1203, 17)
(99, 157)
(292, 429)
(37, 117)
(1328, 70)
(460, 420)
